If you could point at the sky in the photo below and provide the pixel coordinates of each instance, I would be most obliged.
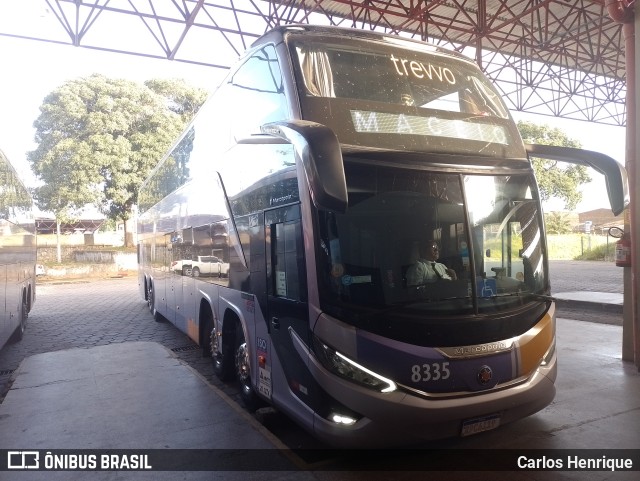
(31, 70)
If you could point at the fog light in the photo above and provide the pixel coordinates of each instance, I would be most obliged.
(341, 419)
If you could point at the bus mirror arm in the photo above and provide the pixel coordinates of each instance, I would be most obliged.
(317, 147)
(614, 173)
(234, 236)
(261, 139)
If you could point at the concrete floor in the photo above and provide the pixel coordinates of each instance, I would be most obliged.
(138, 395)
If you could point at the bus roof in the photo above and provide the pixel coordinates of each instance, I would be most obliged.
(278, 34)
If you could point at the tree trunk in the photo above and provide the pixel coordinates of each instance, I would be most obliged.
(128, 242)
(58, 248)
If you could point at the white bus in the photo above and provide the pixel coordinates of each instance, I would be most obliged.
(322, 170)
(17, 254)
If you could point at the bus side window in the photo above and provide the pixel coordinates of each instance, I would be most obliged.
(287, 253)
(256, 92)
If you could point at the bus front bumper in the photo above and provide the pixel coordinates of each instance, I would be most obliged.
(400, 418)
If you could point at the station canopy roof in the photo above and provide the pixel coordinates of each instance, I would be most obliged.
(85, 226)
(563, 58)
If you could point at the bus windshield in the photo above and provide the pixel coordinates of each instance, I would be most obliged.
(425, 92)
(377, 257)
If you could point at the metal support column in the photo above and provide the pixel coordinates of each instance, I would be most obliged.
(632, 162)
(623, 11)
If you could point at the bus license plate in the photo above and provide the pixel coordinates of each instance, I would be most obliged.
(478, 425)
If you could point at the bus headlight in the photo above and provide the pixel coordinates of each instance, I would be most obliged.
(346, 368)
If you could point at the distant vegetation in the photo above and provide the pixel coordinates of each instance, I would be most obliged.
(557, 180)
(557, 223)
(581, 247)
(98, 138)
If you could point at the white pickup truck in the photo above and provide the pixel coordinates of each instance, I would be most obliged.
(182, 267)
(209, 266)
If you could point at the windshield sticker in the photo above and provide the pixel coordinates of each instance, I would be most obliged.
(405, 68)
(486, 287)
(348, 280)
(281, 283)
(386, 123)
(337, 270)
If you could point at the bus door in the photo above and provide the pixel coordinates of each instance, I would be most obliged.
(287, 296)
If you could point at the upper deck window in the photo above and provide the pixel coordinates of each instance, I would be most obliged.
(361, 87)
(255, 94)
(402, 77)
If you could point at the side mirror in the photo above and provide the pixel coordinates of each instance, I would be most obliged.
(318, 149)
(614, 173)
(616, 232)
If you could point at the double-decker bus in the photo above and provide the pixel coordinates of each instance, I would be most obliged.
(320, 171)
(17, 254)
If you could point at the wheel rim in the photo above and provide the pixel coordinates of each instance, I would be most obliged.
(23, 317)
(242, 367)
(213, 345)
(150, 298)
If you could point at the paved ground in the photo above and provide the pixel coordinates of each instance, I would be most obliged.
(87, 314)
(587, 276)
(101, 312)
(65, 315)
(597, 276)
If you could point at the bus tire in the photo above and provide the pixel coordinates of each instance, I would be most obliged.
(151, 301)
(18, 334)
(248, 396)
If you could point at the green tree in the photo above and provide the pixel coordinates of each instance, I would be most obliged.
(557, 223)
(98, 139)
(181, 98)
(555, 179)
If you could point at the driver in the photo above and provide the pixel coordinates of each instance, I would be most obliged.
(426, 269)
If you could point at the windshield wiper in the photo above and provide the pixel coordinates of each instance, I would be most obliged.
(540, 297)
(408, 303)
(393, 306)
